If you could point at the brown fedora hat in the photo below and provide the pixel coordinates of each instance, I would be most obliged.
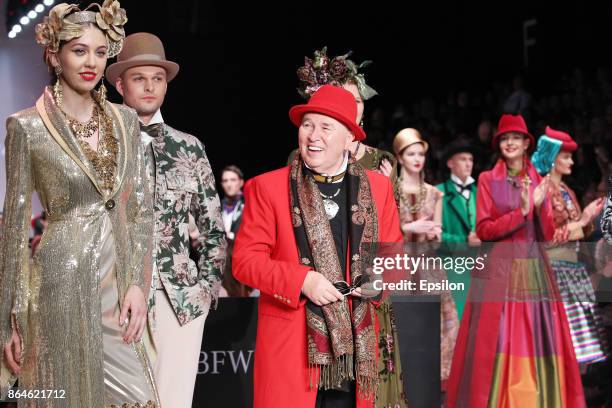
(141, 49)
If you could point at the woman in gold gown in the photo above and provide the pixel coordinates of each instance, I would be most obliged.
(71, 320)
(420, 210)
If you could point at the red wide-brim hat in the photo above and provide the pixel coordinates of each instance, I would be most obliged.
(512, 123)
(332, 101)
(568, 145)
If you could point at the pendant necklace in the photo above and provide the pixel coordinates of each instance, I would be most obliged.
(331, 208)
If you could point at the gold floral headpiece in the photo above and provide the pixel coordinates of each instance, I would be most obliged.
(64, 23)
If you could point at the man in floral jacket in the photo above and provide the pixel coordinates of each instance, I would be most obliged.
(184, 184)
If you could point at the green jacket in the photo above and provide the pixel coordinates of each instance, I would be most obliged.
(458, 219)
(456, 223)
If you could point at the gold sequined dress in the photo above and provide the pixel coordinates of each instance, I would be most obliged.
(65, 303)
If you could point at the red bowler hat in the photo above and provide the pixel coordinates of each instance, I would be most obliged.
(568, 143)
(332, 101)
(512, 123)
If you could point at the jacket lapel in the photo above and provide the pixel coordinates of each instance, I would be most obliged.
(238, 212)
(120, 133)
(160, 162)
(457, 203)
(58, 128)
(158, 144)
(471, 215)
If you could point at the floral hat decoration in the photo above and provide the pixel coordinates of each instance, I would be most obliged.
(64, 23)
(321, 71)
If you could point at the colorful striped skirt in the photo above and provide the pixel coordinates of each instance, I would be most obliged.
(585, 322)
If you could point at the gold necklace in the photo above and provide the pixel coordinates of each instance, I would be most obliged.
(328, 179)
(104, 159)
(405, 196)
(87, 129)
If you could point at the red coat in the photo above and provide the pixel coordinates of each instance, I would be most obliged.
(471, 376)
(266, 258)
(496, 224)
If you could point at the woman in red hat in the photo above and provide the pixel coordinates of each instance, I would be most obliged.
(554, 156)
(514, 347)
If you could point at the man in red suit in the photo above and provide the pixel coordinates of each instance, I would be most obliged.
(308, 231)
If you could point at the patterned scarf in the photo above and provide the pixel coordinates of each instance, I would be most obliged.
(563, 212)
(341, 339)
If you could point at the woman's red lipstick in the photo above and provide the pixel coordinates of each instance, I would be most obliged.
(88, 75)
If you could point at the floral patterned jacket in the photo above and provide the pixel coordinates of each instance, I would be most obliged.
(184, 184)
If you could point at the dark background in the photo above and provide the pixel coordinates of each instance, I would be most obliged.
(238, 60)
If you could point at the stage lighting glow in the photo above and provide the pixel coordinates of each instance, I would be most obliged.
(31, 16)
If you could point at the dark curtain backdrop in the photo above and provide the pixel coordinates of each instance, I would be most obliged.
(238, 60)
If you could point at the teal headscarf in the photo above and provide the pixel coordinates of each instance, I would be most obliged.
(546, 153)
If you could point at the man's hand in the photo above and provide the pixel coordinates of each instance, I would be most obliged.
(134, 303)
(319, 290)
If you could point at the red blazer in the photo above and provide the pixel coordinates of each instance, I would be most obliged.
(266, 257)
